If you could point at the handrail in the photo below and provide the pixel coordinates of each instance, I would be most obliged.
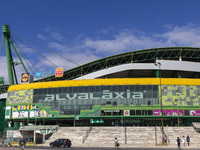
(87, 133)
(165, 134)
(125, 135)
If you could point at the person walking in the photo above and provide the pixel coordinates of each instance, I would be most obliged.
(183, 140)
(165, 140)
(178, 143)
(188, 140)
(116, 143)
(22, 143)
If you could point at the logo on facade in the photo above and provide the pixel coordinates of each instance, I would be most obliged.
(59, 72)
(43, 74)
(126, 112)
(24, 77)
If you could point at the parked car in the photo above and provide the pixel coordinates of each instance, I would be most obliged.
(61, 142)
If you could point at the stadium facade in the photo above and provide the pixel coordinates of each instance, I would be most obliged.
(128, 89)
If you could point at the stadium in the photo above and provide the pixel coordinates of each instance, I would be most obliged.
(128, 89)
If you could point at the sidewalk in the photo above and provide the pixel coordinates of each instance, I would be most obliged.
(134, 146)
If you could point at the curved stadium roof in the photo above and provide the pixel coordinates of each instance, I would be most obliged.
(191, 54)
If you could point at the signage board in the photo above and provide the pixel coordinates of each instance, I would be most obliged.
(126, 112)
(25, 77)
(76, 117)
(40, 74)
(59, 72)
(96, 120)
(169, 112)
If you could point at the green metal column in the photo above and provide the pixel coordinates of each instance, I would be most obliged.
(10, 65)
(6, 33)
(179, 74)
(157, 73)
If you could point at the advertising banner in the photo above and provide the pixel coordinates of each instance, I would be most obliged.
(59, 72)
(26, 111)
(169, 112)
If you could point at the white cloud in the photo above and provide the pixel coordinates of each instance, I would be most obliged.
(56, 36)
(188, 35)
(40, 36)
(82, 49)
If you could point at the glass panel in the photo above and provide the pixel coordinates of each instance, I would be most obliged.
(144, 112)
(65, 90)
(132, 88)
(86, 89)
(50, 91)
(150, 112)
(44, 91)
(35, 91)
(120, 88)
(132, 112)
(98, 89)
(55, 90)
(91, 89)
(108, 114)
(69, 89)
(137, 88)
(103, 88)
(138, 112)
(40, 91)
(80, 89)
(126, 87)
(75, 90)
(60, 90)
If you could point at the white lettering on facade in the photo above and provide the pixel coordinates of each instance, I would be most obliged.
(106, 94)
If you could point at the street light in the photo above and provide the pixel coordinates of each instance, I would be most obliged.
(159, 65)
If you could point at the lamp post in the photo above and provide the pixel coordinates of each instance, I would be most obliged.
(159, 66)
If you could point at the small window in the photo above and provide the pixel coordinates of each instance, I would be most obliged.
(102, 113)
(80, 89)
(108, 114)
(144, 112)
(132, 112)
(138, 112)
(114, 113)
(65, 90)
(55, 90)
(60, 90)
(70, 90)
(120, 88)
(150, 112)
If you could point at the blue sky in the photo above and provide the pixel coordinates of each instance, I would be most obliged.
(87, 30)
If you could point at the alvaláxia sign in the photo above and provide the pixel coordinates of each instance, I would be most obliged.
(106, 94)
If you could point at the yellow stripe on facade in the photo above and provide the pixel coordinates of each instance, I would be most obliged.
(101, 82)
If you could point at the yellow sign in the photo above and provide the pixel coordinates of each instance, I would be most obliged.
(59, 72)
(25, 77)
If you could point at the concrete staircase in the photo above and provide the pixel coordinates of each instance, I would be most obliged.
(174, 132)
(105, 135)
(143, 136)
(75, 134)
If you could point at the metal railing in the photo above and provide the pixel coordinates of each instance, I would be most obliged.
(87, 133)
(164, 135)
(125, 135)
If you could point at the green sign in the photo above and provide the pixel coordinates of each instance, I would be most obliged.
(96, 120)
(76, 117)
